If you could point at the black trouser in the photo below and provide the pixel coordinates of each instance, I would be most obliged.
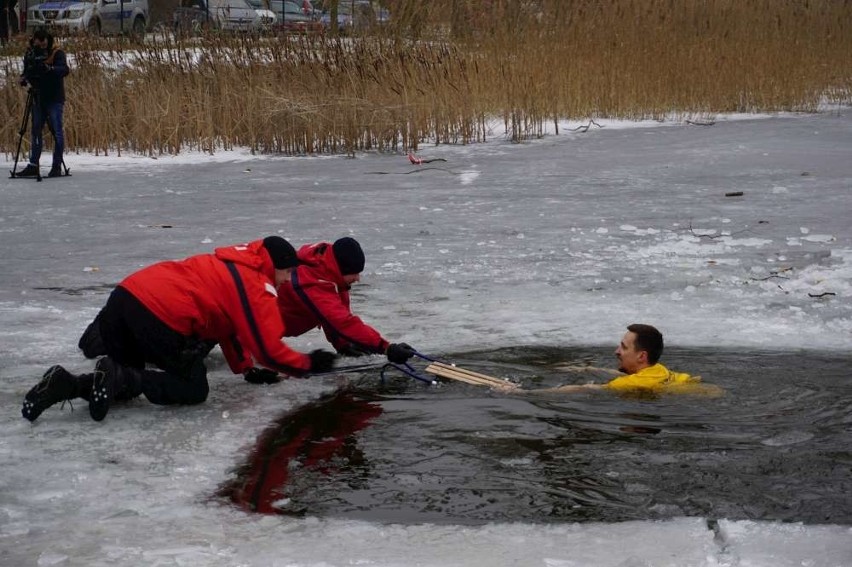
(132, 336)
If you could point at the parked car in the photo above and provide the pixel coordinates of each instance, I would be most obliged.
(356, 15)
(228, 15)
(94, 16)
(268, 18)
(295, 16)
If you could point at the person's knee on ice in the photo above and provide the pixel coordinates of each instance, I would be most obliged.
(199, 387)
(91, 342)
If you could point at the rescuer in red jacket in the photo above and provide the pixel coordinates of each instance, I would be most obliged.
(171, 314)
(317, 295)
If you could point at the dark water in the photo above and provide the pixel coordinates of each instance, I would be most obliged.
(776, 446)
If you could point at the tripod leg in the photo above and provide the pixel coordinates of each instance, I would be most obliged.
(27, 112)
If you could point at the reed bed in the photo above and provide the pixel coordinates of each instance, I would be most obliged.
(445, 71)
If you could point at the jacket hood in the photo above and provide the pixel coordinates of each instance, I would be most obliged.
(252, 255)
(320, 258)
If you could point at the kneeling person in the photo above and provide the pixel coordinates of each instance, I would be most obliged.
(170, 315)
(317, 295)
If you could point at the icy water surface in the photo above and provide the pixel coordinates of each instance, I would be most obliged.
(775, 447)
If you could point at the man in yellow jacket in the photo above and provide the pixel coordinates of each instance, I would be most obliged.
(638, 355)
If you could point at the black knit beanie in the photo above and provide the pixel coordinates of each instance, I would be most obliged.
(282, 252)
(349, 256)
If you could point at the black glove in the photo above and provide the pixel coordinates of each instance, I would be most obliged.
(321, 361)
(399, 353)
(261, 376)
(351, 351)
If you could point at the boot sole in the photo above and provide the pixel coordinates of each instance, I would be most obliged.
(101, 392)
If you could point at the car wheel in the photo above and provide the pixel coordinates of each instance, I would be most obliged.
(94, 27)
(138, 30)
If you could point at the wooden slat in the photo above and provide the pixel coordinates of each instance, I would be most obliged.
(455, 375)
(468, 376)
(468, 372)
(449, 374)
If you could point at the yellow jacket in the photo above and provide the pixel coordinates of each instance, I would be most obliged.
(658, 379)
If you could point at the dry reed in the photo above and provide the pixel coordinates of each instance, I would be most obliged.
(443, 70)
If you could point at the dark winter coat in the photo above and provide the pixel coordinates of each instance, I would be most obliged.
(49, 82)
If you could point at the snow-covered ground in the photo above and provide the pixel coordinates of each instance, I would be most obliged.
(559, 241)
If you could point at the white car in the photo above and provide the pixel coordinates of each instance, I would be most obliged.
(95, 16)
(191, 16)
(268, 18)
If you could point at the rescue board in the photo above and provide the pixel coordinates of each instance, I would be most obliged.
(453, 372)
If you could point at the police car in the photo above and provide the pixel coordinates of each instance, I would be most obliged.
(95, 17)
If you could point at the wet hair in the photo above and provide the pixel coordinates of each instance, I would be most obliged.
(649, 339)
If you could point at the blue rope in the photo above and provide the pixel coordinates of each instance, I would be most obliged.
(351, 368)
(406, 369)
(429, 358)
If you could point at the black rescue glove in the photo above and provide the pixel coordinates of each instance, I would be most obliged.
(399, 353)
(261, 376)
(321, 361)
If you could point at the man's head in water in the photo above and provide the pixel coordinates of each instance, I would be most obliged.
(640, 348)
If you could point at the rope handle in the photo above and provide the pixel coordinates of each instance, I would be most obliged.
(408, 370)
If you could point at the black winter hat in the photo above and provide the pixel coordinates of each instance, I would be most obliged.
(349, 256)
(282, 252)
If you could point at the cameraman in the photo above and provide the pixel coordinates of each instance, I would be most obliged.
(45, 68)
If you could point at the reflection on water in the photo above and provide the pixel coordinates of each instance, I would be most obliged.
(775, 447)
(316, 439)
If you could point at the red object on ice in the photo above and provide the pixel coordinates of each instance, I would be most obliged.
(414, 160)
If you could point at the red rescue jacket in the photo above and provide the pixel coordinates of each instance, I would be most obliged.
(228, 297)
(317, 296)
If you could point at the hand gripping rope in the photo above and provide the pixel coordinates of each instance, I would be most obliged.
(409, 370)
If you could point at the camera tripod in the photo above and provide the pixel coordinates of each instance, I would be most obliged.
(28, 110)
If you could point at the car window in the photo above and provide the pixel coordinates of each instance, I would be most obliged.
(232, 4)
(289, 7)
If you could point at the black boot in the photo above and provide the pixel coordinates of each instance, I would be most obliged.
(29, 171)
(57, 385)
(103, 388)
(55, 171)
(112, 382)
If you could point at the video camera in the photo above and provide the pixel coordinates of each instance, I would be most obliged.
(34, 64)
